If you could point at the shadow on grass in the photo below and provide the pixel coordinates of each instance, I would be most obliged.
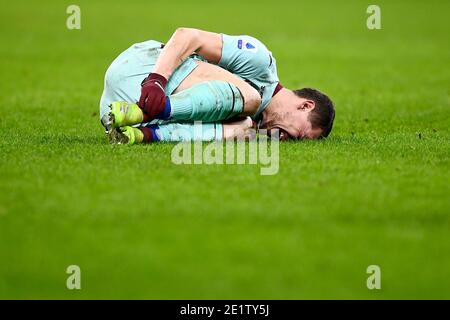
(100, 139)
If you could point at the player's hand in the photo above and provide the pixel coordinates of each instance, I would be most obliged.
(242, 130)
(153, 97)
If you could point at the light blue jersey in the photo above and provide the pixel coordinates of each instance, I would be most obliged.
(249, 59)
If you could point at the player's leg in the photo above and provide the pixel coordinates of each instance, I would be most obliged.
(169, 132)
(207, 101)
(175, 132)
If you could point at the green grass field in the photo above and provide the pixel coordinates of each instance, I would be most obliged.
(375, 192)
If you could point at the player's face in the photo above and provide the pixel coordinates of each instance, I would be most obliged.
(299, 127)
(294, 122)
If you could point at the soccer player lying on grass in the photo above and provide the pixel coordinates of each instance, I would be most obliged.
(217, 79)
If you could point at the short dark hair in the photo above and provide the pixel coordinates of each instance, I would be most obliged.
(322, 116)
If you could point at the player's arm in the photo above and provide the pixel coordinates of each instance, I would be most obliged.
(182, 44)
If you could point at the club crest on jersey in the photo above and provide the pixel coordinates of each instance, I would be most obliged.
(246, 45)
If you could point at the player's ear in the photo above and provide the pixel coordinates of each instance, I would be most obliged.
(306, 105)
